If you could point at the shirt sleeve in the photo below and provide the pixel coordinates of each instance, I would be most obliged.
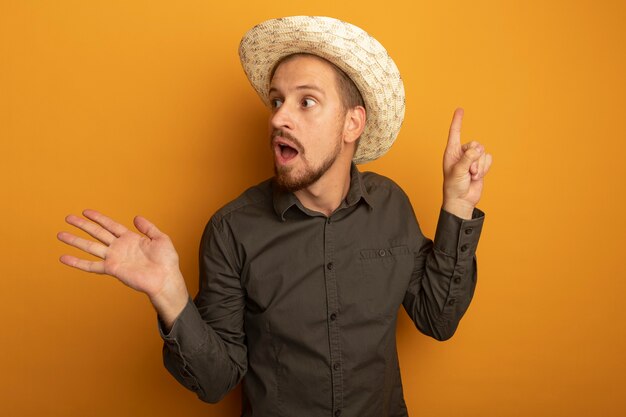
(205, 349)
(444, 275)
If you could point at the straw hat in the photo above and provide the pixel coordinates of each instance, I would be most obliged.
(350, 48)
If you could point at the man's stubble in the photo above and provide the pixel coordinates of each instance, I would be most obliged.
(289, 183)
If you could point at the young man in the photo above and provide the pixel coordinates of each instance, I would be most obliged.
(302, 276)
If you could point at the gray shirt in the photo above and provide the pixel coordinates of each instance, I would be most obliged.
(303, 307)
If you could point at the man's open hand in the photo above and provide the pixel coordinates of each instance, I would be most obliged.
(464, 167)
(146, 262)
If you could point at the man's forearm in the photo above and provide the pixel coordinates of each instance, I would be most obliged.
(444, 278)
(205, 360)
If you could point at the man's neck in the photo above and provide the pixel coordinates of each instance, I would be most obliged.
(327, 193)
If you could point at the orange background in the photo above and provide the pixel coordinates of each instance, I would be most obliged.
(140, 107)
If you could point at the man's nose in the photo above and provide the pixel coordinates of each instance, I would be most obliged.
(282, 117)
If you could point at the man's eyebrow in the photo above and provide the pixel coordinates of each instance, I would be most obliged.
(310, 87)
(301, 87)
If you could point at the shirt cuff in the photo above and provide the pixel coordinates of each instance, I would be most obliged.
(456, 236)
(187, 329)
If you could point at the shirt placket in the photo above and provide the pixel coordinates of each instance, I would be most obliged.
(332, 303)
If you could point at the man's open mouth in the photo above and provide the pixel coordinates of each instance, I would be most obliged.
(286, 151)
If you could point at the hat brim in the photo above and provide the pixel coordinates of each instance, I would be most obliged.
(351, 49)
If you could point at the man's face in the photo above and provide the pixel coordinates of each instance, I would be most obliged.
(307, 121)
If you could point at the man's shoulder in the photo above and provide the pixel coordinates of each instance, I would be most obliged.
(256, 198)
(388, 200)
(375, 184)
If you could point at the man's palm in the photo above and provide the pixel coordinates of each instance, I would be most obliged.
(143, 262)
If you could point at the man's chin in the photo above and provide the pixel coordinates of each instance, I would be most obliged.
(286, 181)
(290, 182)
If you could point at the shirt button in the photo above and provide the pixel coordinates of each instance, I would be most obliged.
(328, 221)
(336, 366)
(464, 248)
(469, 231)
(382, 252)
(457, 280)
(451, 302)
(329, 266)
(333, 317)
(337, 413)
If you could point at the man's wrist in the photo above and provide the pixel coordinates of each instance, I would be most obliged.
(460, 209)
(171, 301)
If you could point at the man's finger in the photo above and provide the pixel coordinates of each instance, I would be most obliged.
(83, 265)
(474, 167)
(112, 226)
(89, 246)
(147, 228)
(472, 144)
(484, 163)
(91, 228)
(454, 135)
(469, 157)
(480, 167)
(488, 162)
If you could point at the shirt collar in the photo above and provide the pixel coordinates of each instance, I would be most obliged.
(283, 200)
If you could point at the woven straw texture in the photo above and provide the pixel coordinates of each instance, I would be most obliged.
(353, 50)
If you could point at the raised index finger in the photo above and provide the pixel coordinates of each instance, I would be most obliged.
(109, 224)
(454, 136)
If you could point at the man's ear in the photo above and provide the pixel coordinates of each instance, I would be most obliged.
(354, 124)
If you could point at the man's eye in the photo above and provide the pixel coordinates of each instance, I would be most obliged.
(276, 103)
(308, 102)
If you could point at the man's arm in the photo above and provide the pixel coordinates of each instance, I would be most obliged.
(206, 349)
(444, 275)
(206, 356)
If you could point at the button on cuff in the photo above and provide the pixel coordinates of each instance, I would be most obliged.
(452, 232)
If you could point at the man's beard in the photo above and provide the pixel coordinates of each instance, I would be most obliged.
(290, 183)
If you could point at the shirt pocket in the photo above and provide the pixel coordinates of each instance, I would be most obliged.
(385, 274)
